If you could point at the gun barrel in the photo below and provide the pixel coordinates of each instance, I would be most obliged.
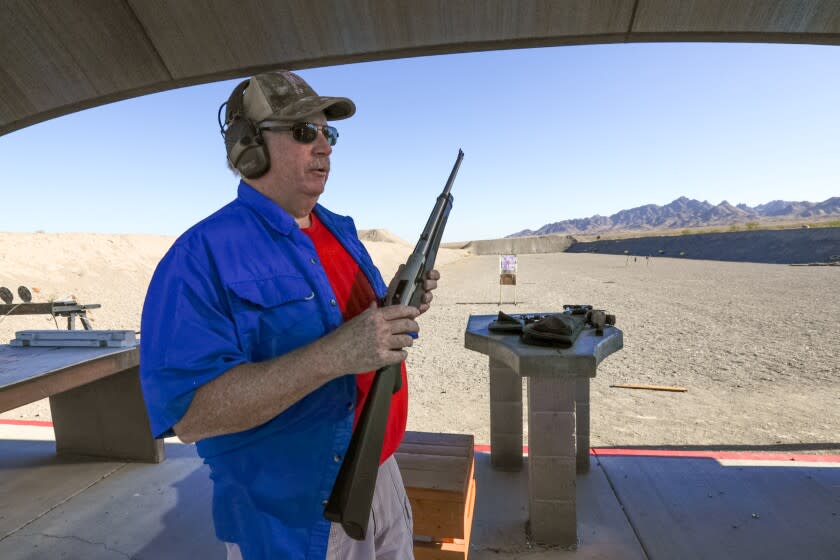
(437, 219)
(54, 308)
(448, 187)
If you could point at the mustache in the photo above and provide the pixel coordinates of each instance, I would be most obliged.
(319, 164)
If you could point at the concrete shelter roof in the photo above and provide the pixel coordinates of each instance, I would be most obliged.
(61, 57)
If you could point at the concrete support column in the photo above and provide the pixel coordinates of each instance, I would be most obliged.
(582, 424)
(106, 418)
(505, 417)
(551, 460)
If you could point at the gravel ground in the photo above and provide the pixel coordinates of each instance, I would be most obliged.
(756, 346)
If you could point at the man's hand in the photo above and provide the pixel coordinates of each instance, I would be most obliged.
(429, 284)
(375, 338)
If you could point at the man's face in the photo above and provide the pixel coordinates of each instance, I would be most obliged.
(298, 172)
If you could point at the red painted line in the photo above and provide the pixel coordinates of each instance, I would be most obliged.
(731, 455)
(27, 423)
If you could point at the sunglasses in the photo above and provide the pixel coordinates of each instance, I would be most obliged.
(306, 133)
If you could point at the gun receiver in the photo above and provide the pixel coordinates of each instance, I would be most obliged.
(352, 494)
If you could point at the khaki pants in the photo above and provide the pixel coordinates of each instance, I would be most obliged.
(389, 535)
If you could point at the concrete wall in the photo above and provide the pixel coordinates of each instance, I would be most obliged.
(516, 245)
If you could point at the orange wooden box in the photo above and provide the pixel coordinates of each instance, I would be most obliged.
(439, 475)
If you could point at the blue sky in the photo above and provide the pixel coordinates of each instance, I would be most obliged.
(548, 134)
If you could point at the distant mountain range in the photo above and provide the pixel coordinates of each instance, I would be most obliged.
(689, 213)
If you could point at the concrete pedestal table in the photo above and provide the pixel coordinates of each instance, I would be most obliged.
(558, 407)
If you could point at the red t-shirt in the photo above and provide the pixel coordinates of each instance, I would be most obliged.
(354, 294)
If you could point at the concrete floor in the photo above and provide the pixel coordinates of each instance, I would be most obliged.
(630, 506)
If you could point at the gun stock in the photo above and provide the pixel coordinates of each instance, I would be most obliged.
(352, 493)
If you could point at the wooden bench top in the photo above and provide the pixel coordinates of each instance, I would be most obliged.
(436, 465)
(29, 374)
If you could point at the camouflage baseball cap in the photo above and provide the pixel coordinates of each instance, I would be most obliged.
(285, 96)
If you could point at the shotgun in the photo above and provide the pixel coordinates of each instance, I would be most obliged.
(352, 494)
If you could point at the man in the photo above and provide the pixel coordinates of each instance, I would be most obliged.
(261, 333)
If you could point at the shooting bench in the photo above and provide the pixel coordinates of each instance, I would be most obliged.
(95, 398)
(558, 417)
(438, 471)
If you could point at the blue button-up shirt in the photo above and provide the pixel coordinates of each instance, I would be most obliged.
(246, 285)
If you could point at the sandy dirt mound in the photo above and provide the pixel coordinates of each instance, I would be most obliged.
(111, 270)
(381, 236)
(389, 256)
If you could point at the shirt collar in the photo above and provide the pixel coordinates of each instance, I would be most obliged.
(266, 208)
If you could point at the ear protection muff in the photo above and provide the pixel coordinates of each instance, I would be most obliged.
(244, 143)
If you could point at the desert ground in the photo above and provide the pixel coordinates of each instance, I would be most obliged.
(755, 345)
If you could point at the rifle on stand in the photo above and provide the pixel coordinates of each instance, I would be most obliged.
(352, 494)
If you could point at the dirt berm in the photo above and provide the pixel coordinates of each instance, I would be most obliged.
(516, 245)
(789, 246)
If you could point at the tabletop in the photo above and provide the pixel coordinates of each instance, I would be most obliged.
(32, 372)
(580, 360)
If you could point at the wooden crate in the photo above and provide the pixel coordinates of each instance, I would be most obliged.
(439, 475)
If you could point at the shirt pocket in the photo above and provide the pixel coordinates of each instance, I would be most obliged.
(275, 315)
